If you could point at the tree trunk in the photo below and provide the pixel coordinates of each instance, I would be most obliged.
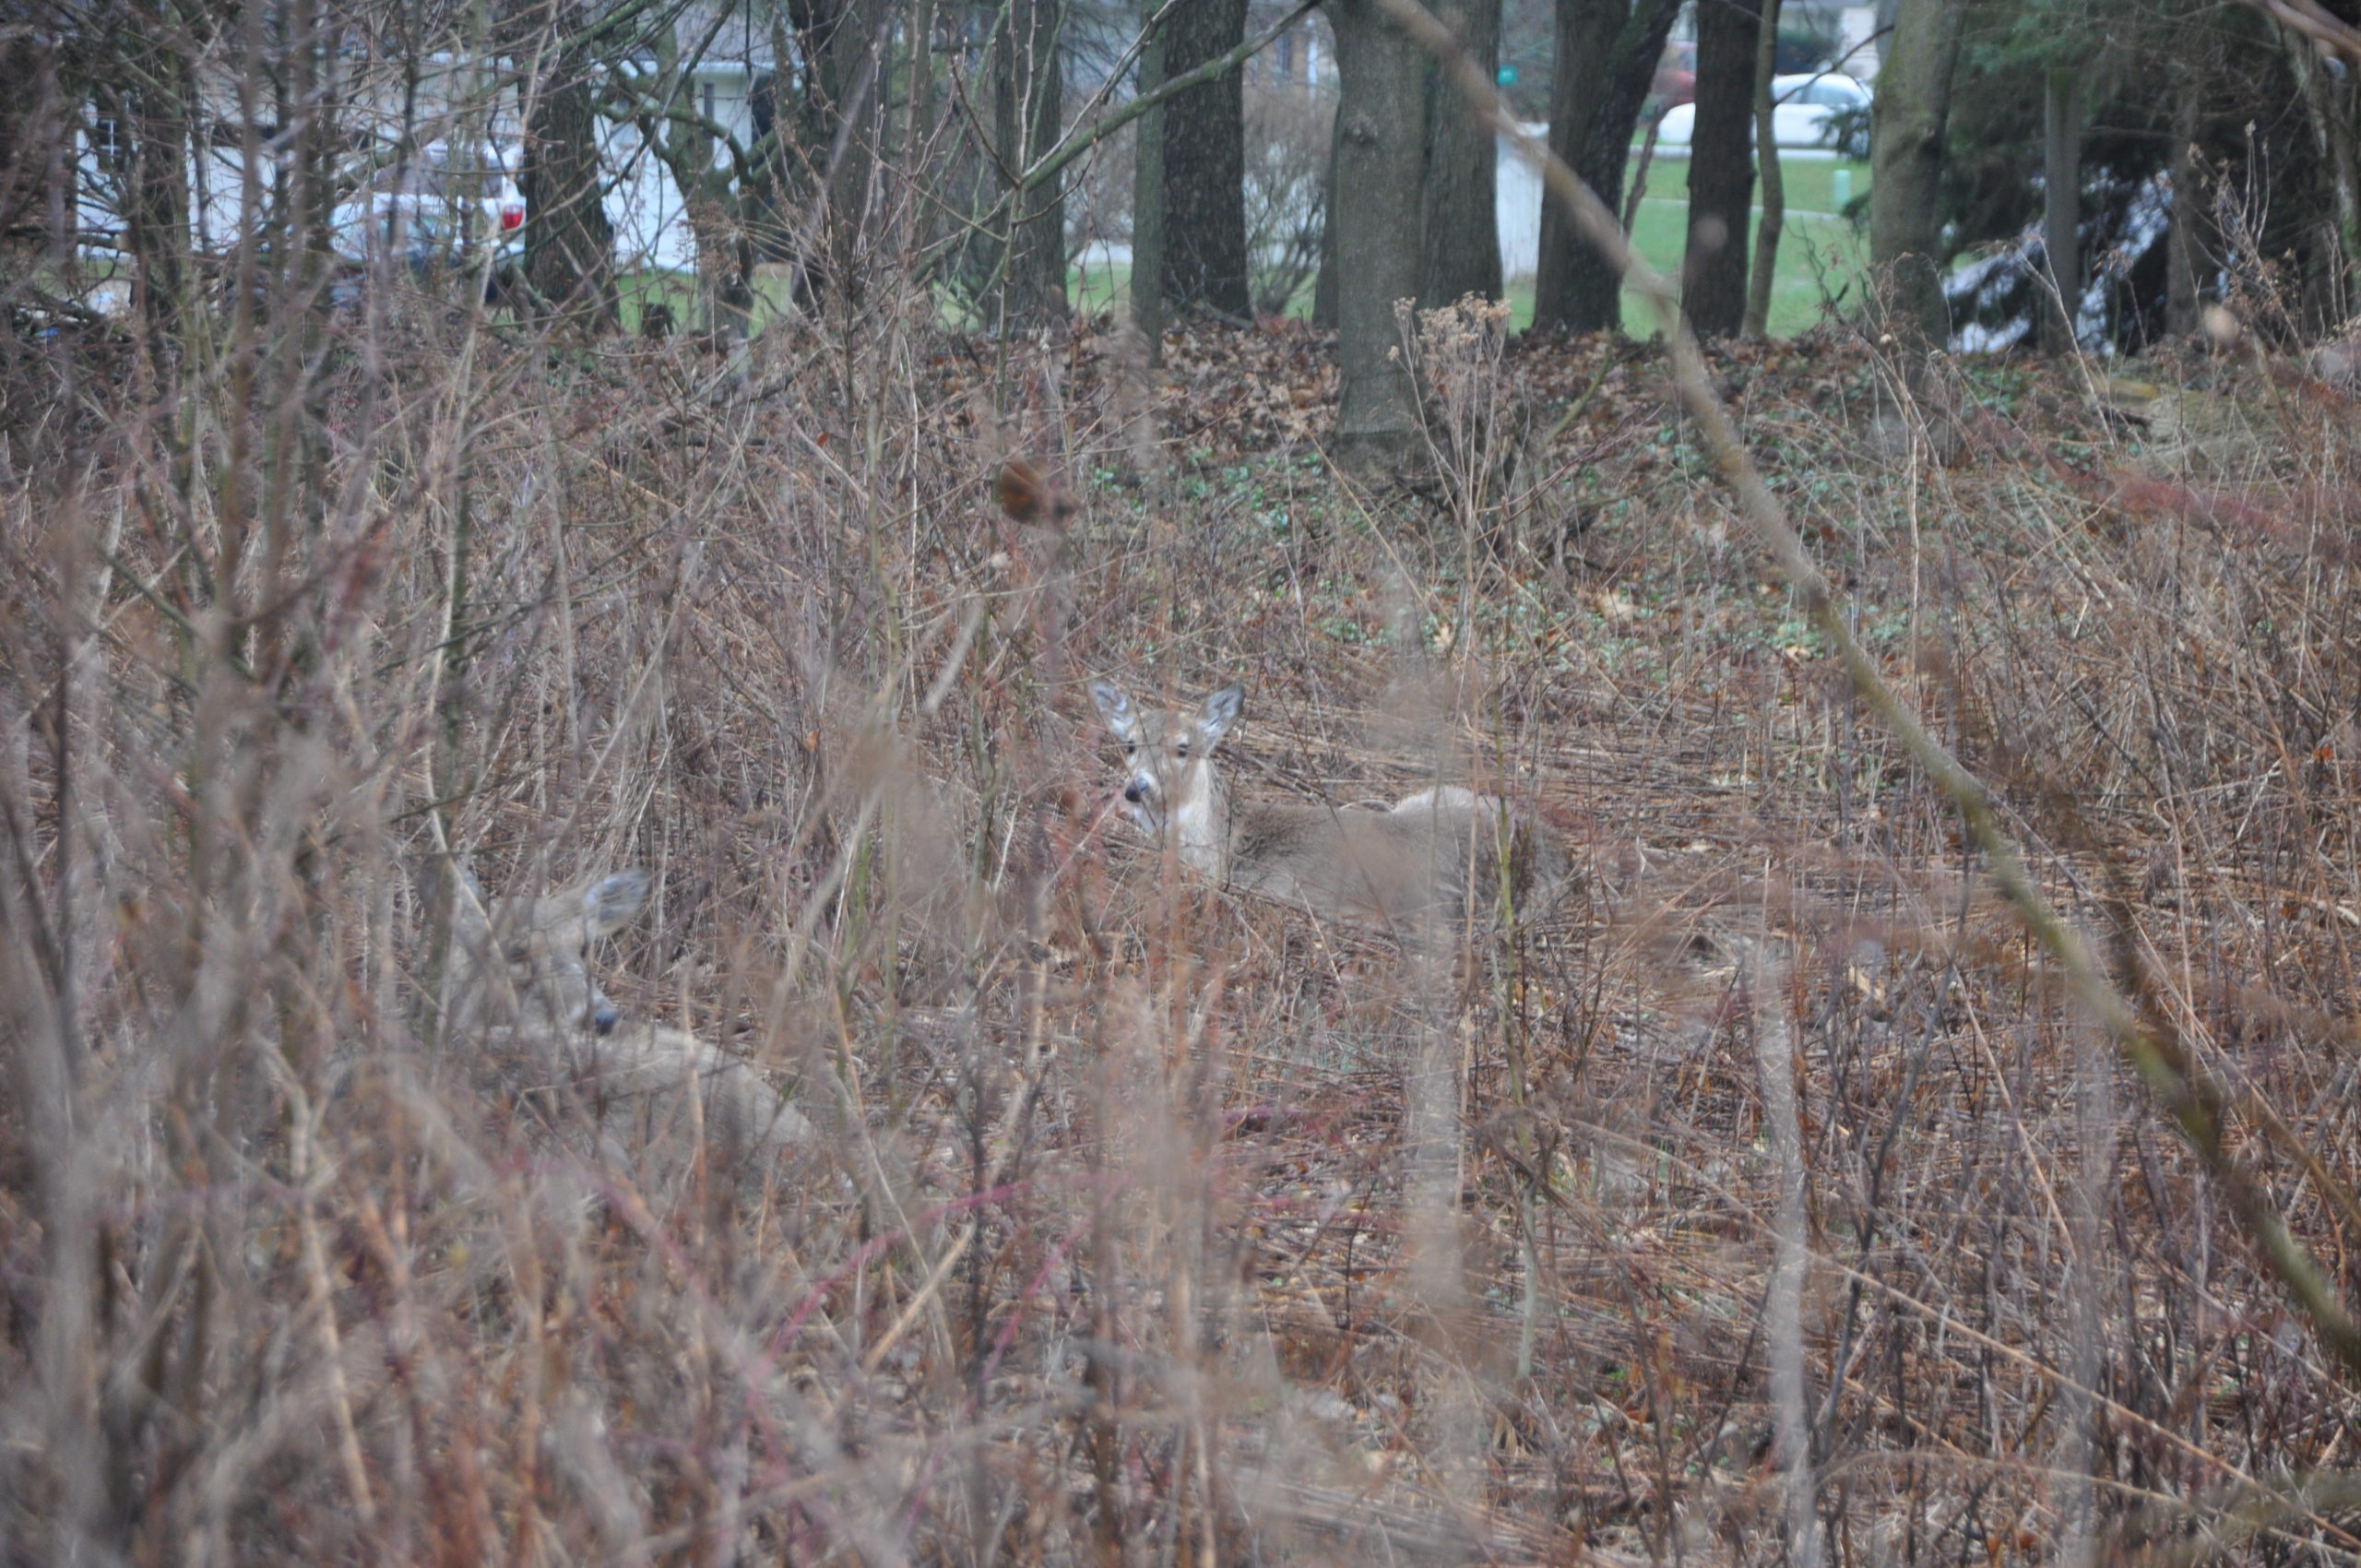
(2184, 238)
(1906, 128)
(916, 70)
(1463, 230)
(1775, 185)
(1381, 153)
(569, 244)
(2062, 206)
(2329, 105)
(1721, 169)
(848, 126)
(711, 200)
(1147, 194)
(1607, 52)
(155, 220)
(1204, 166)
(1323, 282)
(1028, 103)
(1584, 32)
(36, 168)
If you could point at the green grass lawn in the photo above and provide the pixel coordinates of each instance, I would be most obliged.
(1104, 287)
(1819, 252)
(639, 288)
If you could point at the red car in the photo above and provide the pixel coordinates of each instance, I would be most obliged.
(1676, 81)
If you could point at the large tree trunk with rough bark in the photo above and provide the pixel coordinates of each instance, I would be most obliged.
(569, 244)
(1585, 33)
(1721, 168)
(846, 115)
(1204, 166)
(1906, 128)
(36, 166)
(1380, 155)
(1607, 52)
(1028, 103)
(2329, 94)
(1463, 235)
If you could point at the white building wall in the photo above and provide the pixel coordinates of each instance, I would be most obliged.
(1516, 205)
(643, 202)
(1857, 42)
(644, 205)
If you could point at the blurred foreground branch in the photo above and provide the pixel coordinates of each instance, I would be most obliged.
(2150, 1044)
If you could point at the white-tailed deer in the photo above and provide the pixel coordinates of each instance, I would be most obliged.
(1432, 858)
(521, 983)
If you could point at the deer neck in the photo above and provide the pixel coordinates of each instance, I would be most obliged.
(1201, 825)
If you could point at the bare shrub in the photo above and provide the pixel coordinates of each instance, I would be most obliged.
(1288, 131)
(1137, 1219)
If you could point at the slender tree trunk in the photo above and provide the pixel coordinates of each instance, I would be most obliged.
(917, 125)
(1204, 166)
(1641, 165)
(1323, 282)
(710, 199)
(2062, 206)
(2184, 239)
(1463, 230)
(1775, 184)
(1380, 155)
(1029, 107)
(1907, 126)
(1148, 195)
(1721, 169)
(569, 244)
(156, 228)
(296, 506)
(1607, 52)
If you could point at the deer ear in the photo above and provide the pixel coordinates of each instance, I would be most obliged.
(1116, 708)
(1221, 711)
(613, 902)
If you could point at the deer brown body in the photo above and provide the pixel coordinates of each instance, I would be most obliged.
(1440, 857)
(522, 986)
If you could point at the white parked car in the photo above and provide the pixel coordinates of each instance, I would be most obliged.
(444, 207)
(1803, 108)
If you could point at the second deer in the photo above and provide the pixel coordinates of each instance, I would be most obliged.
(1433, 858)
(522, 988)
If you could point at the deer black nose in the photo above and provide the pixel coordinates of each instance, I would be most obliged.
(1131, 793)
(602, 1018)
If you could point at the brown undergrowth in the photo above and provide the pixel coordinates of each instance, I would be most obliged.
(1145, 1225)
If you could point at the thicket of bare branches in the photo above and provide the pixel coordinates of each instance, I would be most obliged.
(1767, 1196)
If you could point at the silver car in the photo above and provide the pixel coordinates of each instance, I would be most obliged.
(1803, 114)
(445, 207)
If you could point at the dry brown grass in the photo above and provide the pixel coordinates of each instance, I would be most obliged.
(1143, 1226)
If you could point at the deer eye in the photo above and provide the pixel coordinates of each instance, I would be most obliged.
(519, 952)
(1130, 747)
(1181, 751)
